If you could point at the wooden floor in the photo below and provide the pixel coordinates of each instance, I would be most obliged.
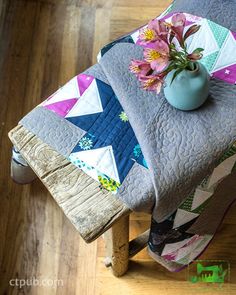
(43, 44)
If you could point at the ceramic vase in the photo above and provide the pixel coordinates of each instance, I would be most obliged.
(189, 90)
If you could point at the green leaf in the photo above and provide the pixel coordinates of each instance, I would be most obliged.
(171, 64)
(177, 57)
(170, 68)
(180, 65)
(198, 50)
(176, 74)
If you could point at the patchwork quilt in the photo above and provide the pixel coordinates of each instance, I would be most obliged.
(153, 157)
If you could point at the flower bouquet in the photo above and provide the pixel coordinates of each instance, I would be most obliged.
(165, 50)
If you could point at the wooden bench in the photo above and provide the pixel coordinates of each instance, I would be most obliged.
(92, 210)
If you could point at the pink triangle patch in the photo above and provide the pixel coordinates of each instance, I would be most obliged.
(234, 35)
(84, 82)
(62, 108)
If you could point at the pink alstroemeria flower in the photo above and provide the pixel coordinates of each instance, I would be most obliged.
(161, 52)
(140, 67)
(160, 28)
(155, 30)
(178, 22)
(152, 82)
(147, 35)
(158, 55)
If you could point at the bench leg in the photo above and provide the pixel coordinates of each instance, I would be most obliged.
(20, 170)
(117, 246)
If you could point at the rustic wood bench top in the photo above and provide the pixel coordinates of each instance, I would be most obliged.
(91, 210)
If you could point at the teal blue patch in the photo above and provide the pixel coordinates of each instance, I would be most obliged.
(209, 61)
(220, 33)
(145, 163)
(80, 164)
(137, 151)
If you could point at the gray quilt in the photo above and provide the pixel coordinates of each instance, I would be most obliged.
(181, 149)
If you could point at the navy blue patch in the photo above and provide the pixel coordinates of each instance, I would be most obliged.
(162, 233)
(108, 129)
(127, 39)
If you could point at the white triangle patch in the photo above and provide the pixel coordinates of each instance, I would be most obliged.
(183, 217)
(186, 251)
(101, 159)
(222, 170)
(227, 55)
(91, 172)
(204, 38)
(68, 91)
(88, 103)
(135, 36)
(169, 248)
(184, 260)
(199, 247)
(200, 197)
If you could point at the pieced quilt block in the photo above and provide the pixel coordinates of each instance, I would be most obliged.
(173, 239)
(218, 42)
(109, 148)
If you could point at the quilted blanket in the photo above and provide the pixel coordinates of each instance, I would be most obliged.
(155, 158)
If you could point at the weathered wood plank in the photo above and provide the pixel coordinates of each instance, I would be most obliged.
(90, 209)
(117, 247)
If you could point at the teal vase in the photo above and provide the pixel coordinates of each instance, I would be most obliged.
(189, 90)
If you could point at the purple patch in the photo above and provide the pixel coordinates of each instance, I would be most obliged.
(171, 256)
(227, 74)
(234, 35)
(83, 82)
(62, 108)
